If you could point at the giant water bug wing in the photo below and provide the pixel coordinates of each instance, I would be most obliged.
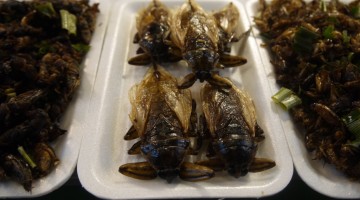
(228, 20)
(179, 100)
(214, 100)
(211, 106)
(140, 96)
(178, 25)
(247, 107)
(155, 12)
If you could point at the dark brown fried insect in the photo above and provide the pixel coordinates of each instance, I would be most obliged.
(45, 158)
(162, 118)
(230, 121)
(28, 129)
(2, 174)
(196, 34)
(153, 29)
(17, 169)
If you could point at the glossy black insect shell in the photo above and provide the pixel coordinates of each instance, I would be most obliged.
(166, 156)
(202, 61)
(153, 42)
(236, 153)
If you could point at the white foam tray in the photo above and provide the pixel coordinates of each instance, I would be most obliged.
(67, 146)
(103, 148)
(321, 177)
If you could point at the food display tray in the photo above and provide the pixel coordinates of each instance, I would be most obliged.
(67, 147)
(103, 148)
(321, 177)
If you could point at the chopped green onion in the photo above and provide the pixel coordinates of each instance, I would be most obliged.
(346, 37)
(68, 21)
(355, 11)
(46, 9)
(10, 92)
(355, 143)
(27, 158)
(304, 40)
(333, 20)
(350, 56)
(44, 47)
(323, 6)
(80, 47)
(286, 98)
(282, 94)
(13, 94)
(328, 32)
(290, 102)
(352, 122)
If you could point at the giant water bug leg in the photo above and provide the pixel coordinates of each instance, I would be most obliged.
(259, 133)
(210, 152)
(193, 172)
(140, 170)
(193, 121)
(261, 164)
(140, 50)
(244, 35)
(187, 81)
(136, 38)
(141, 59)
(135, 149)
(193, 131)
(220, 66)
(232, 60)
(217, 81)
(204, 131)
(173, 57)
(214, 163)
(131, 134)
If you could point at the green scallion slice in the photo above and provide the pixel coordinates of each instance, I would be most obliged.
(355, 11)
(286, 98)
(328, 32)
(290, 102)
(346, 37)
(282, 94)
(27, 158)
(352, 122)
(46, 9)
(323, 6)
(304, 40)
(80, 47)
(68, 21)
(10, 92)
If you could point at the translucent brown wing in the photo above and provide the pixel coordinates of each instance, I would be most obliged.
(189, 17)
(228, 20)
(213, 99)
(158, 84)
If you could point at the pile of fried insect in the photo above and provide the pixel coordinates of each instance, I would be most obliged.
(163, 113)
(42, 46)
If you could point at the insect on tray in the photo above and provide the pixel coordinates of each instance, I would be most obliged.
(104, 149)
